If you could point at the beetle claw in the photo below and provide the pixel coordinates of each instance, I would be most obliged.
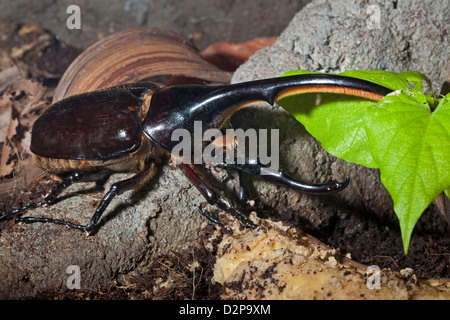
(209, 216)
(339, 186)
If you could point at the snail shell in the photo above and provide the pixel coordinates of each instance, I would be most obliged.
(132, 56)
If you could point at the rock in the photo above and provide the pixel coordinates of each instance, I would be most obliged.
(36, 257)
(334, 36)
(276, 262)
(325, 36)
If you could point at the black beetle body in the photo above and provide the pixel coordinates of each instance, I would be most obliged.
(127, 127)
(94, 130)
(105, 129)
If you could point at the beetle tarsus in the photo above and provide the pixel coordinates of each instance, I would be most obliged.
(209, 216)
(50, 220)
(65, 183)
(117, 188)
(336, 186)
(197, 179)
(246, 222)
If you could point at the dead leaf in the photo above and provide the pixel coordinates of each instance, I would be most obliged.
(229, 56)
(6, 122)
(6, 165)
(5, 117)
(16, 112)
(8, 76)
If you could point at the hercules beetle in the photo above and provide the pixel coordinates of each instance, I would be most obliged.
(126, 127)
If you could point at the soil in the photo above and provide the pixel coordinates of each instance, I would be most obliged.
(360, 235)
(169, 277)
(357, 234)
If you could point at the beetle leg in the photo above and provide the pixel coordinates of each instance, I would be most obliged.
(244, 193)
(283, 179)
(196, 177)
(209, 216)
(65, 183)
(117, 188)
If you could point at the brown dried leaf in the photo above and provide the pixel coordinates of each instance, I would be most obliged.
(229, 56)
(34, 91)
(14, 146)
(5, 118)
(7, 166)
(6, 122)
(8, 127)
(9, 75)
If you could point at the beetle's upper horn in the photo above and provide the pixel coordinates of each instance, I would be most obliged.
(179, 107)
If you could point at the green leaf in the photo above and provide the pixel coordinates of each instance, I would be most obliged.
(406, 135)
(411, 145)
(338, 124)
(391, 80)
